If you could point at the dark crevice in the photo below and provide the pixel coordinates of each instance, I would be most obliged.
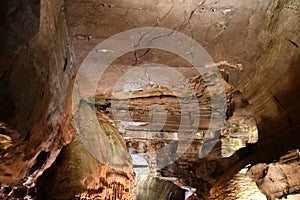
(3, 74)
(40, 161)
(278, 102)
(27, 137)
(293, 43)
(65, 64)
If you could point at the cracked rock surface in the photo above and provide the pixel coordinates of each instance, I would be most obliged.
(254, 43)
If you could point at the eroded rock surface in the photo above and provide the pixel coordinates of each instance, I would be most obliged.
(158, 188)
(279, 179)
(169, 139)
(77, 174)
(44, 43)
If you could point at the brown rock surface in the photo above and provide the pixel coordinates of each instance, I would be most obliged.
(77, 174)
(157, 188)
(44, 42)
(278, 180)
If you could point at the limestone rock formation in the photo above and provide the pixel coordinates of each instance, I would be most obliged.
(157, 188)
(78, 174)
(101, 138)
(43, 44)
(279, 179)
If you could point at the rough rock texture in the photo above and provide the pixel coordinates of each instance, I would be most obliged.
(166, 109)
(96, 164)
(157, 188)
(34, 87)
(240, 187)
(171, 152)
(260, 35)
(76, 173)
(38, 61)
(278, 180)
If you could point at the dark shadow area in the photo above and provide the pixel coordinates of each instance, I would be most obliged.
(19, 22)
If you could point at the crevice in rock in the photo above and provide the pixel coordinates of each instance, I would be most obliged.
(40, 161)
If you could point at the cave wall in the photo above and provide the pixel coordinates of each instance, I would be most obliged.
(261, 36)
(76, 173)
(274, 105)
(39, 84)
(36, 81)
(272, 90)
(15, 17)
(42, 50)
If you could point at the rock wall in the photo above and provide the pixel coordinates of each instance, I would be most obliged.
(278, 179)
(76, 174)
(157, 188)
(274, 104)
(39, 63)
(260, 36)
(16, 16)
(36, 83)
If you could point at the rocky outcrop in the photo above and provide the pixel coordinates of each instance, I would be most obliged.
(264, 31)
(35, 82)
(279, 179)
(101, 138)
(96, 164)
(173, 148)
(240, 187)
(157, 188)
(76, 174)
(36, 89)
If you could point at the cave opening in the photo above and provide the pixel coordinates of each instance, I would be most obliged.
(148, 116)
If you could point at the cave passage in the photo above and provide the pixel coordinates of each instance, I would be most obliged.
(148, 115)
(142, 99)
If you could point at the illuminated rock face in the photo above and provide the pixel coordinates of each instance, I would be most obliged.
(44, 42)
(174, 154)
(76, 173)
(157, 188)
(278, 180)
